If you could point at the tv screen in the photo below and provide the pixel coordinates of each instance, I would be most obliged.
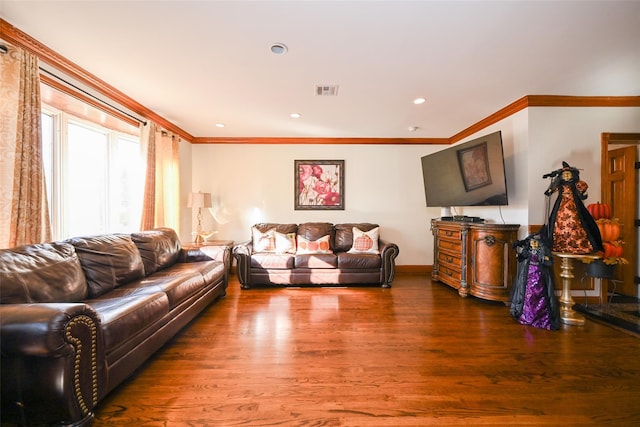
(467, 174)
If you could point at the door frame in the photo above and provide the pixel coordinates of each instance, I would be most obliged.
(622, 139)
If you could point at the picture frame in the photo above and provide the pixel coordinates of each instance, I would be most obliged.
(318, 184)
(474, 166)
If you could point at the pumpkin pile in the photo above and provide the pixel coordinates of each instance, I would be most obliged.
(609, 231)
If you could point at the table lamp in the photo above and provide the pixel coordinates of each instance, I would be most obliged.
(199, 200)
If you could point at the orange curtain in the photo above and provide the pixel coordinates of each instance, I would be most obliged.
(161, 206)
(24, 214)
(148, 132)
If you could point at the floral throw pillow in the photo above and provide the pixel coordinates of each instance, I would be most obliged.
(320, 246)
(285, 243)
(365, 242)
(263, 242)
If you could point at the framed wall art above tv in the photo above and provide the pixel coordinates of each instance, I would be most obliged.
(471, 173)
(319, 184)
(474, 166)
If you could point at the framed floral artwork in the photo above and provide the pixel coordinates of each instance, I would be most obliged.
(319, 184)
(474, 166)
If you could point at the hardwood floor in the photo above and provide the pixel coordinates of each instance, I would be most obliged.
(413, 355)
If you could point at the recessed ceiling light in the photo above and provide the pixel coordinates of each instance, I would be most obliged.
(219, 125)
(295, 115)
(279, 48)
(419, 101)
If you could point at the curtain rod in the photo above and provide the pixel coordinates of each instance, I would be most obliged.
(92, 96)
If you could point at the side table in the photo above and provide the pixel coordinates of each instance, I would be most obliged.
(209, 243)
(567, 314)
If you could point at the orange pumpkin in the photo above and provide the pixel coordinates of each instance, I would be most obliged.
(609, 230)
(599, 210)
(612, 249)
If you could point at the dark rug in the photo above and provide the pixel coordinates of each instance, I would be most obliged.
(622, 313)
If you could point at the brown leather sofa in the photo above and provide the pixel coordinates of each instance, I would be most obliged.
(337, 264)
(78, 317)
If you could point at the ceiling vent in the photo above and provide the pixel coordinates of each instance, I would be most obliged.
(326, 90)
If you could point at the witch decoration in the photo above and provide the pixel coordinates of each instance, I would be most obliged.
(533, 299)
(571, 228)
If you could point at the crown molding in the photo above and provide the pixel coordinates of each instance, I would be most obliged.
(13, 35)
(307, 140)
(582, 101)
(546, 101)
(501, 114)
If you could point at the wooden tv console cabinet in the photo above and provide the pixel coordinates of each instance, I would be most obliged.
(475, 258)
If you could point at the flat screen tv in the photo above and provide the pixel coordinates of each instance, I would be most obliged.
(467, 174)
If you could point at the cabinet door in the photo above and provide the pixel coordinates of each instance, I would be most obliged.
(491, 268)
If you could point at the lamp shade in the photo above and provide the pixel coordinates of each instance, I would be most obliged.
(199, 200)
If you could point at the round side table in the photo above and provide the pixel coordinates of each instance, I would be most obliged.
(567, 314)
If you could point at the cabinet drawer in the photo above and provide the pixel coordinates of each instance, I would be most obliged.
(447, 234)
(450, 260)
(455, 247)
(445, 271)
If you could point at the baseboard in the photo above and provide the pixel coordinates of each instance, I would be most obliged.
(417, 270)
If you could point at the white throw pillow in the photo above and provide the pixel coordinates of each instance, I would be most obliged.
(320, 246)
(263, 242)
(365, 242)
(285, 243)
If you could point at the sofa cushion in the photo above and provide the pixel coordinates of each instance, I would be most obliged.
(348, 260)
(314, 230)
(280, 228)
(108, 261)
(212, 271)
(344, 234)
(285, 243)
(47, 272)
(321, 245)
(365, 242)
(159, 248)
(263, 241)
(272, 261)
(178, 287)
(124, 313)
(316, 261)
(182, 281)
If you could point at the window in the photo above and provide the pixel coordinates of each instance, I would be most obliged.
(94, 175)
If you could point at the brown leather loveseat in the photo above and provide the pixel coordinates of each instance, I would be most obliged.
(78, 317)
(315, 253)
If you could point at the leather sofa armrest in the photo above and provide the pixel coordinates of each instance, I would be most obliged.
(207, 253)
(52, 361)
(45, 329)
(388, 251)
(242, 253)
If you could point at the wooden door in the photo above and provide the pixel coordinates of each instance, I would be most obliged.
(620, 191)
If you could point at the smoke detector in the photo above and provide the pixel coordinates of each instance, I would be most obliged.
(326, 90)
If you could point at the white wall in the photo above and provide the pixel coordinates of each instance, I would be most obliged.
(515, 140)
(572, 135)
(254, 183)
(383, 183)
(536, 141)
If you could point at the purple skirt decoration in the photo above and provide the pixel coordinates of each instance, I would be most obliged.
(535, 311)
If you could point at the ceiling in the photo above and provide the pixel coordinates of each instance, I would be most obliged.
(199, 63)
